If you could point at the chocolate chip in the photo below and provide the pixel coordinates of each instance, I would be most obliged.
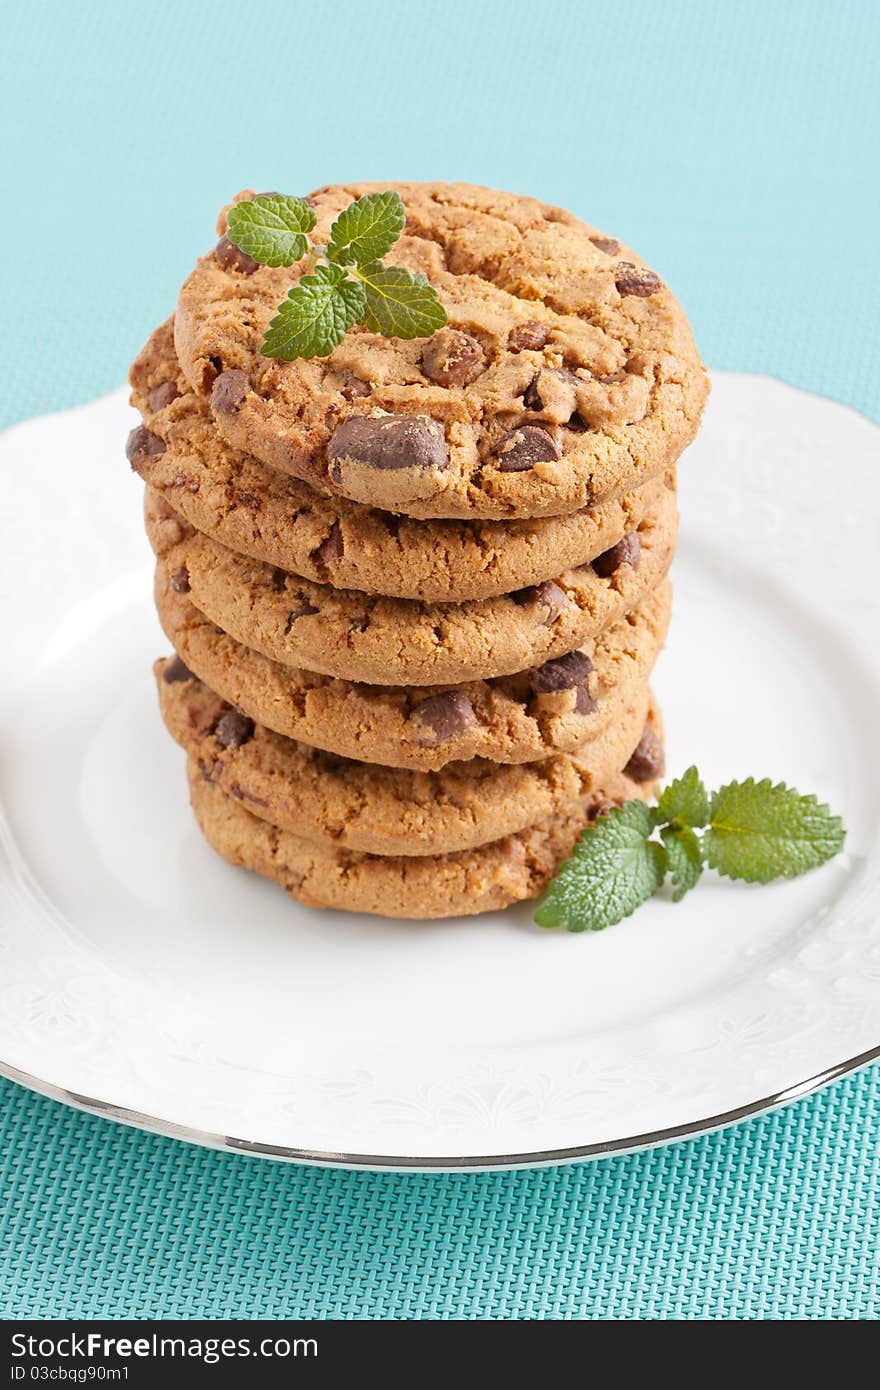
(279, 580)
(522, 448)
(360, 623)
(626, 552)
(179, 580)
(445, 716)
(303, 610)
(163, 395)
(356, 388)
(530, 336)
(176, 671)
(648, 760)
(390, 442)
(600, 808)
(241, 795)
(247, 499)
(234, 730)
(143, 444)
(609, 244)
(548, 597)
(452, 358)
(584, 702)
(230, 389)
(564, 673)
(552, 388)
(636, 279)
(331, 548)
(231, 257)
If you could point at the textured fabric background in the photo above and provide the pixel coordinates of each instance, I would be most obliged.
(735, 146)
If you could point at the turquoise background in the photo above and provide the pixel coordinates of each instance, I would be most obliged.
(735, 146)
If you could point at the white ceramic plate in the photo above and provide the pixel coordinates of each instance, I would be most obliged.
(143, 978)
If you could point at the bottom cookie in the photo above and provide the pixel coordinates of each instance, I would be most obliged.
(486, 879)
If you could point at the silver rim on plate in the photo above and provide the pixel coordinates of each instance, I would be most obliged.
(390, 1162)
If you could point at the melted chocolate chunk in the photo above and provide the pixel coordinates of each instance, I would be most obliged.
(179, 580)
(563, 673)
(522, 448)
(163, 395)
(626, 552)
(143, 444)
(444, 717)
(231, 257)
(331, 548)
(229, 392)
(530, 336)
(355, 388)
(548, 597)
(176, 671)
(390, 442)
(648, 761)
(584, 702)
(609, 244)
(452, 358)
(636, 279)
(234, 729)
(303, 610)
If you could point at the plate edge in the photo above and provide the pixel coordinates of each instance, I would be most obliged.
(406, 1163)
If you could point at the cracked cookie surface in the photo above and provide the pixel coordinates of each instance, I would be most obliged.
(567, 374)
(380, 810)
(552, 708)
(391, 641)
(283, 521)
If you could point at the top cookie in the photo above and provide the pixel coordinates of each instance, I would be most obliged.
(567, 373)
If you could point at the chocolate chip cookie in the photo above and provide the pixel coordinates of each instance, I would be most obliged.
(281, 520)
(567, 374)
(484, 879)
(391, 641)
(335, 801)
(551, 708)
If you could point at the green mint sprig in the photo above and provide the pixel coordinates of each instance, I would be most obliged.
(749, 830)
(347, 281)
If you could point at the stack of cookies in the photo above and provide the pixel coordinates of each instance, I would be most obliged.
(416, 588)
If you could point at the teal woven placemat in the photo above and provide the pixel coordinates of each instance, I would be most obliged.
(733, 145)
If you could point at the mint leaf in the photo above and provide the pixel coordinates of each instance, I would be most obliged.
(685, 859)
(315, 316)
(365, 230)
(271, 227)
(612, 870)
(685, 801)
(758, 831)
(399, 305)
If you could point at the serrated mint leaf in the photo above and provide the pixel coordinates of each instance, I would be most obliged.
(399, 305)
(758, 831)
(612, 870)
(367, 229)
(685, 800)
(272, 228)
(685, 859)
(315, 316)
